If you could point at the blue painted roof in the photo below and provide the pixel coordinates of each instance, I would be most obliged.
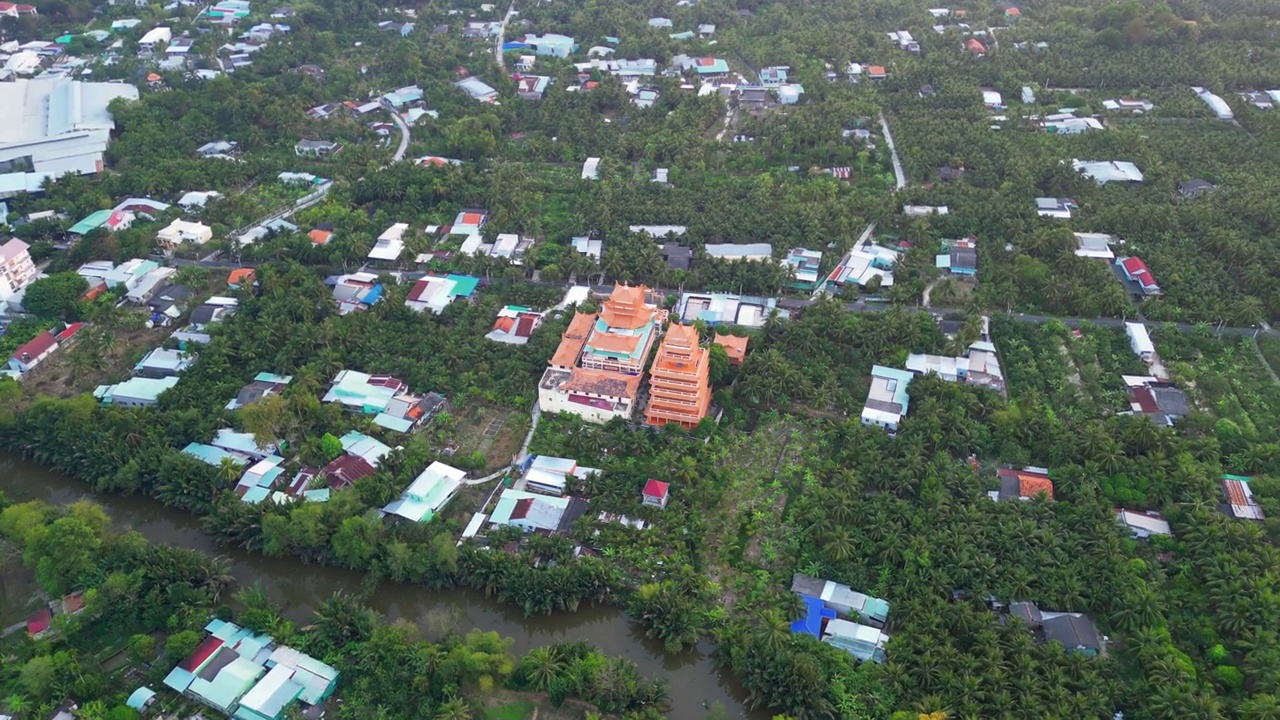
(815, 611)
(138, 700)
(210, 454)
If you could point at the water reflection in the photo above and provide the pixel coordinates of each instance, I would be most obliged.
(692, 682)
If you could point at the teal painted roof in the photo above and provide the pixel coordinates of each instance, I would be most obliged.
(90, 223)
(138, 700)
(211, 455)
(602, 328)
(465, 285)
(273, 378)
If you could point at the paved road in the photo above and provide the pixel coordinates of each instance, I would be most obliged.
(1072, 322)
(502, 37)
(404, 136)
(900, 177)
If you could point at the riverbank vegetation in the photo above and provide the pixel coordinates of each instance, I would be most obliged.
(785, 484)
(788, 480)
(133, 609)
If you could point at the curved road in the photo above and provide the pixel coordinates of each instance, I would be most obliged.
(404, 136)
(899, 175)
(502, 36)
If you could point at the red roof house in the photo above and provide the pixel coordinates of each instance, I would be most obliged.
(203, 652)
(975, 47)
(38, 623)
(241, 276)
(656, 493)
(68, 333)
(27, 357)
(345, 470)
(1136, 270)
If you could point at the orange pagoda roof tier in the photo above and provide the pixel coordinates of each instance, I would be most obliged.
(679, 390)
(626, 308)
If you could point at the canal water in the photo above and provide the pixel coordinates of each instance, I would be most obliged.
(692, 683)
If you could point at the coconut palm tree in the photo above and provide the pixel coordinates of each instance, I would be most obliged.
(542, 666)
(455, 708)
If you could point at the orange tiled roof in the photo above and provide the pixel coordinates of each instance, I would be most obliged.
(735, 347)
(611, 342)
(504, 324)
(472, 218)
(1235, 492)
(626, 307)
(682, 335)
(573, 339)
(602, 382)
(240, 275)
(320, 237)
(876, 70)
(1031, 485)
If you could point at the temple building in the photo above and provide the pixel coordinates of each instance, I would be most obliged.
(596, 371)
(679, 391)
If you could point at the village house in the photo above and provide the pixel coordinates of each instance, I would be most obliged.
(390, 245)
(386, 398)
(1128, 105)
(1025, 484)
(836, 613)
(180, 232)
(863, 265)
(887, 400)
(1194, 188)
(134, 392)
(537, 513)
(728, 309)
(427, 494)
(1060, 208)
(315, 148)
(1143, 525)
(477, 89)
(1141, 281)
(1108, 171)
(1159, 400)
(355, 292)
(734, 252)
(980, 366)
(1140, 341)
(1096, 245)
(40, 348)
(549, 475)
(515, 325)
(264, 384)
(655, 494)
(1075, 631)
(434, 293)
(162, 363)
(235, 671)
(17, 271)
(1240, 502)
(959, 257)
(805, 265)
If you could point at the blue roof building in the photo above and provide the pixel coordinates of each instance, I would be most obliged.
(711, 66)
(887, 400)
(134, 392)
(773, 76)
(814, 615)
(551, 44)
(211, 455)
(247, 676)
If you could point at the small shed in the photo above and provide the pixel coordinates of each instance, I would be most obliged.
(656, 493)
(141, 699)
